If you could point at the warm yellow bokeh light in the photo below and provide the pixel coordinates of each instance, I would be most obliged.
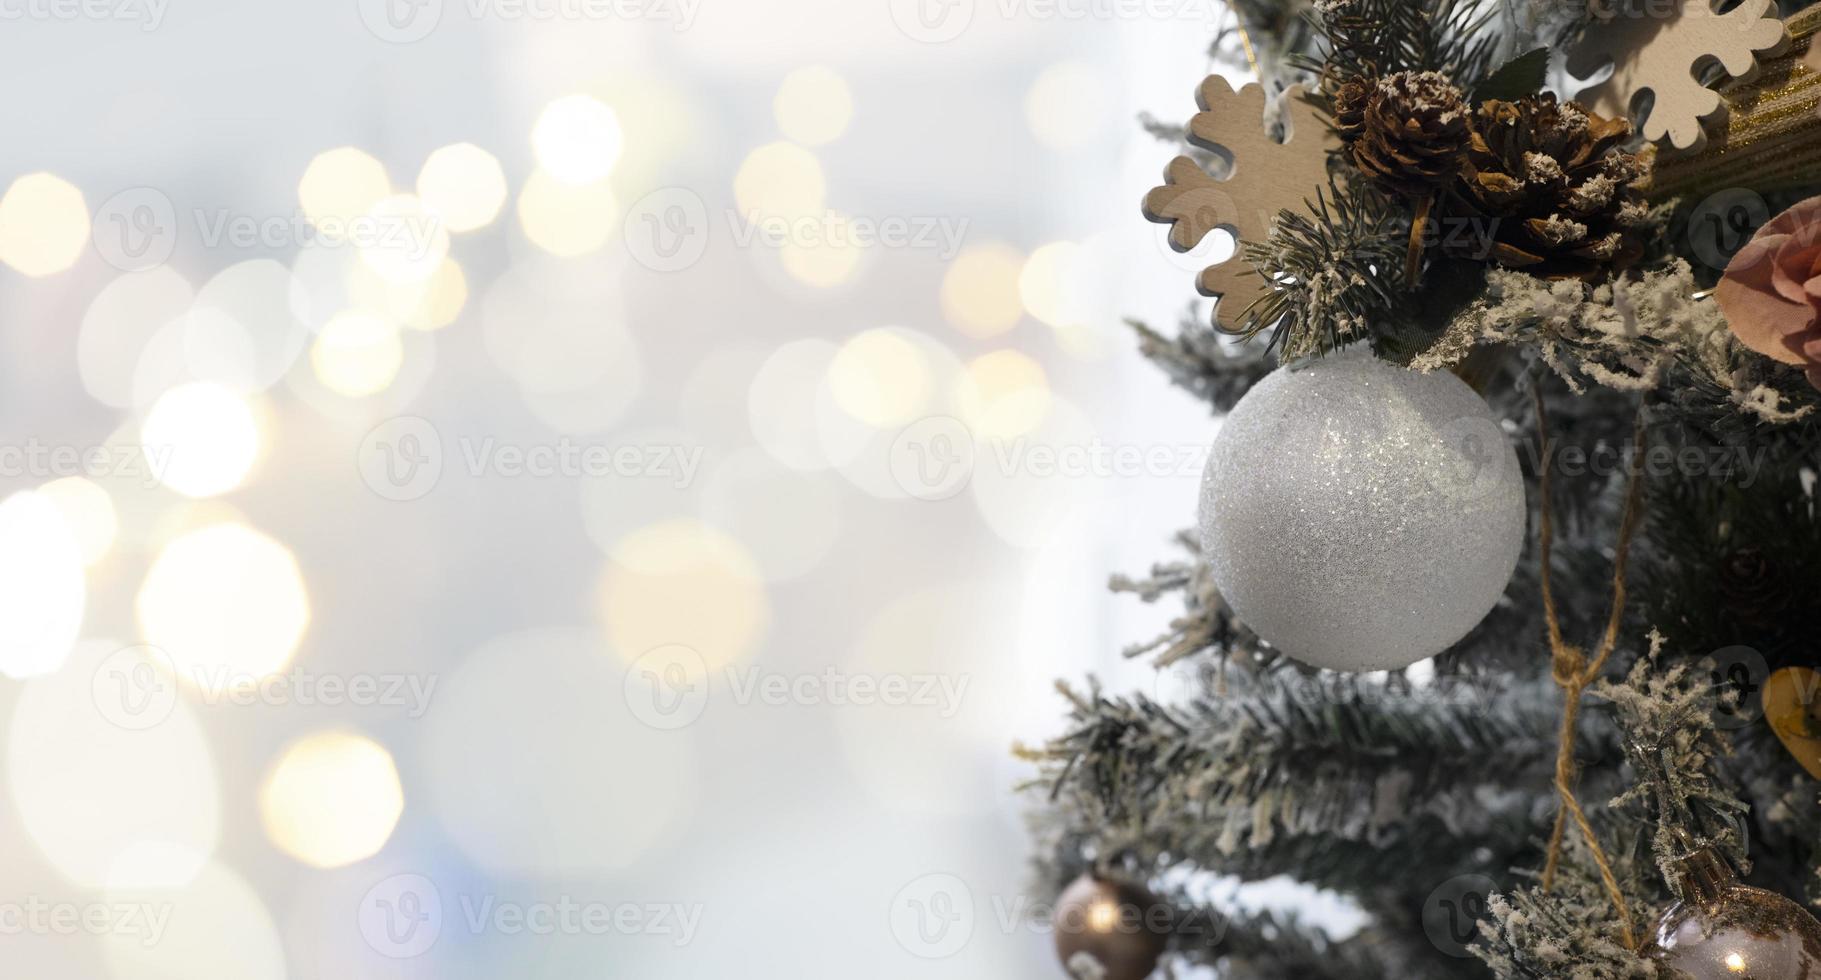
(341, 185)
(200, 439)
(463, 185)
(357, 354)
(405, 241)
(782, 180)
(577, 139)
(363, 288)
(443, 298)
(825, 261)
(661, 578)
(332, 799)
(219, 928)
(109, 773)
(44, 223)
(880, 378)
(813, 105)
(980, 290)
(1004, 394)
(88, 511)
(431, 304)
(1050, 284)
(567, 219)
(224, 601)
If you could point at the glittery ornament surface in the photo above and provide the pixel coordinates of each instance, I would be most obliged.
(1743, 933)
(1772, 131)
(1360, 516)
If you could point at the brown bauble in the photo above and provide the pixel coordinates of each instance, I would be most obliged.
(1723, 930)
(1121, 925)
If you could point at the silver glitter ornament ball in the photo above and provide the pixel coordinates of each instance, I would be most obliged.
(1360, 516)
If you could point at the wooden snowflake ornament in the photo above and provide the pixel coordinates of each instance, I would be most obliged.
(1266, 177)
(1663, 51)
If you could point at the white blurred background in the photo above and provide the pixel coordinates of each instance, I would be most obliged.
(486, 486)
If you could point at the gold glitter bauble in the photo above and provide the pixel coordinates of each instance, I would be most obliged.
(1723, 930)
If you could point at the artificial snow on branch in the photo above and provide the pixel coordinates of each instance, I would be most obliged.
(1625, 334)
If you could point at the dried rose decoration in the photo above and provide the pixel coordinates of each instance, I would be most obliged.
(1771, 292)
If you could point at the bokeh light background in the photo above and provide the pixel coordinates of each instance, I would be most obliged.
(296, 634)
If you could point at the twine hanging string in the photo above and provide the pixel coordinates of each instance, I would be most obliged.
(1573, 671)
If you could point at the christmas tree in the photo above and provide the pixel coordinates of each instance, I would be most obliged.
(1502, 597)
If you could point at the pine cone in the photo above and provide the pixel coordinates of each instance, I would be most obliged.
(1350, 101)
(1554, 189)
(1414, 131)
